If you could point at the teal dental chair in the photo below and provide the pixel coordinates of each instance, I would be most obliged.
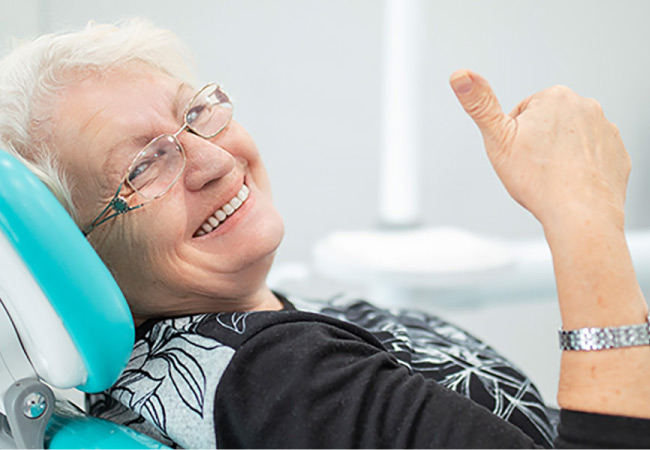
(63, 323)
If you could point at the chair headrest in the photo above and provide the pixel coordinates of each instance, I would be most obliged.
(65, 268)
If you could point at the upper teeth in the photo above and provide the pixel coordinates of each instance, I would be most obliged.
(222, 213)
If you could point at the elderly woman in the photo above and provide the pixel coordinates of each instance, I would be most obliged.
(173, 195)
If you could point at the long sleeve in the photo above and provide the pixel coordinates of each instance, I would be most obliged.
(311, 384)
(586, 430)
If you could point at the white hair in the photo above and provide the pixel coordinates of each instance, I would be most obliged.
(34, 72)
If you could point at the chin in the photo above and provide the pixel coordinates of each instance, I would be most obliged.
(262, 246)
(251, 248)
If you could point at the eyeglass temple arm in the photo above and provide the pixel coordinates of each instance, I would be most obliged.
(122, 209)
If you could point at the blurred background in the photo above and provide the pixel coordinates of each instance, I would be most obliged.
(307, 80)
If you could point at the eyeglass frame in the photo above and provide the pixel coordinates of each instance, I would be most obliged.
(118, 203)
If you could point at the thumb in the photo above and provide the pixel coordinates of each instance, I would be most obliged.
(480, 102)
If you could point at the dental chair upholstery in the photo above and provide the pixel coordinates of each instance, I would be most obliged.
(63, 322)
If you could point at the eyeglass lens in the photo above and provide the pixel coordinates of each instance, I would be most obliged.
(161, 162)
(156, 167)
(209, 112)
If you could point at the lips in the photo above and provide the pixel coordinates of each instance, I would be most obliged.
(222, 214)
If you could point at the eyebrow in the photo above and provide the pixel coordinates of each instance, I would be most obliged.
(176, 105)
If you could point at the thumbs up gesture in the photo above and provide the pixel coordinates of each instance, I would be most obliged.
(559, 157)
(556, 153)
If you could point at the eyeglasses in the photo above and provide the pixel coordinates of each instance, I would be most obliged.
(160, 164)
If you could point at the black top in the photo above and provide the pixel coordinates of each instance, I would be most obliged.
(295, 379)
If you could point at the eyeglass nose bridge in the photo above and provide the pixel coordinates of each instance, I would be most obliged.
(186, 126)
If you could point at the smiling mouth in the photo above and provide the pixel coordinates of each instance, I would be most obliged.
(222, 214)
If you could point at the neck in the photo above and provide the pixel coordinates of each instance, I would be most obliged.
(261, 300)
(265, 301)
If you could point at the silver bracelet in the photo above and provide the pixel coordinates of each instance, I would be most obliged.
(604, 338)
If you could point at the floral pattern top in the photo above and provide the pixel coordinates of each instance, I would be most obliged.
(180, 365)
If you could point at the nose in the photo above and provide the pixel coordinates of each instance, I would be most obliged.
(206, 161)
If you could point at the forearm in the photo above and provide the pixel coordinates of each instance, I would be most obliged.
(558, 156)
(597, 287)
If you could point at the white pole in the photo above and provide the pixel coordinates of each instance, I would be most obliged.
(398, 176)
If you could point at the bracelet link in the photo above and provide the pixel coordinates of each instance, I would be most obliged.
(587, 339)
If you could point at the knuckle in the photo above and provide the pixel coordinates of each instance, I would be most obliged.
(595, 105)
(561, 91)
(560, 94)
(627, 163)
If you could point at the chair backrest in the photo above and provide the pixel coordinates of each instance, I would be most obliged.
(62, 316)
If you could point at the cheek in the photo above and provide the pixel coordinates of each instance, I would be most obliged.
(261, 179)
(257, 171)
(123, 260)
(241, 145)
(140, 246)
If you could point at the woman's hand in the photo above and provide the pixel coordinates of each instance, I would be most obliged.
(559, 157)
(556, 153)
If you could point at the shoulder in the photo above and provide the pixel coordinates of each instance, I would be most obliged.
(236, 329)
(178, 364)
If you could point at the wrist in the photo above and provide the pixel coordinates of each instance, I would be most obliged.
(597, 287)
(606, 382)
(566, 223)
(596, 281)
(604, 338)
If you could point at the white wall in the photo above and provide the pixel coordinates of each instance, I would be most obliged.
(305, 76)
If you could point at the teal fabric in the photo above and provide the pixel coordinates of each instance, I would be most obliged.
(69, 272)
(89, 432)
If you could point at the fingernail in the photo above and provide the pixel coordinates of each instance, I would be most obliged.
(462, 84)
